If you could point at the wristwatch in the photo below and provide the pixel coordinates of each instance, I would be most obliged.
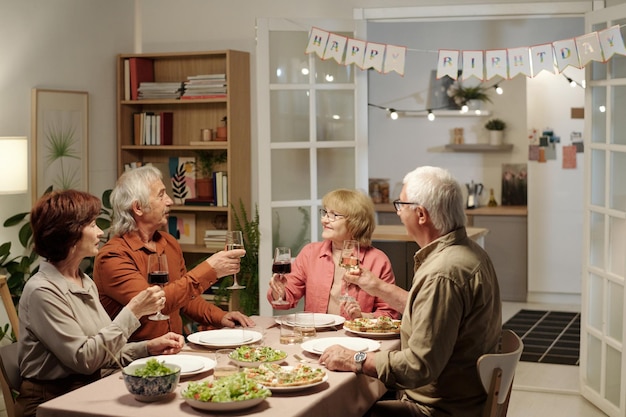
(359, 358)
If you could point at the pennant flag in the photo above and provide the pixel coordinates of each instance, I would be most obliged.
(519, 61)
(355, 52)
(395, 57)
(448, 64)
(565, 54)
(374, 56)
(473, 65)
(496, 63)
(335, 47)
(317, 42)
(588, 47)
(542, 58)
(611, 42)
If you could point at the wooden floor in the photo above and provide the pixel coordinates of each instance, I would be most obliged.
(546, 390)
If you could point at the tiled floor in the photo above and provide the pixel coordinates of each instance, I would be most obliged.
(539, 390)
(545, 390)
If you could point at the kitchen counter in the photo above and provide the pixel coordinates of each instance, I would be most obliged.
(389, 232)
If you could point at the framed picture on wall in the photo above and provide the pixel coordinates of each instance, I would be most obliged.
(60, 138)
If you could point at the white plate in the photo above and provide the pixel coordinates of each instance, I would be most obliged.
(321, 320)
(389, 335)
(228, 406)
(225, 337)
(298, 387)
(318, 346)
(250, 364)
(189, 364)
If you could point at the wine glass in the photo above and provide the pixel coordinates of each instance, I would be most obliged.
(350, 261)
(281, 266)
(158, 274)
(234, 240)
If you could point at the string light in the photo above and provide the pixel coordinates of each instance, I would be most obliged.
(499, 89)
(431, 115)
(393, 114)
(573, 83)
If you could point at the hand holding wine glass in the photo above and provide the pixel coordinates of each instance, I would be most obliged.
(158, 274)
(350, 261)
(234, 240)
(281, 266)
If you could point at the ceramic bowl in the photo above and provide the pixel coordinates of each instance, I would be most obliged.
(151, 388)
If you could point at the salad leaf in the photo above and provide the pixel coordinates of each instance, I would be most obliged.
(153, 368)
(236, 387)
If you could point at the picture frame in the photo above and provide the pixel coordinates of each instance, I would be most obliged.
(60, 140)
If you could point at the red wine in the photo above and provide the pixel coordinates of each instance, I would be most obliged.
(281, 267)
(158, 277)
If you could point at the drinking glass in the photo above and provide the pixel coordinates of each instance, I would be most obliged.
(350, 261)
(158, 274)
(234, 240)
(224, 365)
(281, 266)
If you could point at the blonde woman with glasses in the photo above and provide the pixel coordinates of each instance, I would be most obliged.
(315, 272)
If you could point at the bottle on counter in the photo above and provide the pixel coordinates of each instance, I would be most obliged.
(492, 199)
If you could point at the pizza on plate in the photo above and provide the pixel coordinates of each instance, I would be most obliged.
(377, 325)
(274, 375)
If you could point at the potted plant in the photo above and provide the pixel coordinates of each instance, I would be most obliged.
(470, 96)
(496, 131)
(205, 165)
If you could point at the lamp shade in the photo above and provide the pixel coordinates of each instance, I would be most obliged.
(13, 165)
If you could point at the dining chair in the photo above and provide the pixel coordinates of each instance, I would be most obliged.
(7, 300)
(497, 371)
(10, 378)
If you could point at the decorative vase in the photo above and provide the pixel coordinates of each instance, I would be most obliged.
(495, 137)
(474, 104)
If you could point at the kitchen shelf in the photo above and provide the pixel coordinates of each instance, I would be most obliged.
(479, 147)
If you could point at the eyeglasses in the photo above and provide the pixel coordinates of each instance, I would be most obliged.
(332, 216)
(397, 204)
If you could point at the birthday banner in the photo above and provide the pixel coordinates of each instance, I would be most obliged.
(507, 63)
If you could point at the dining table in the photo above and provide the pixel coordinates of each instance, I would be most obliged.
(343, 394)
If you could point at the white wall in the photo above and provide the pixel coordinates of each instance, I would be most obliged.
(66, 45)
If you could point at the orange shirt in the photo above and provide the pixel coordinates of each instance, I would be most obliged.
(120, 272)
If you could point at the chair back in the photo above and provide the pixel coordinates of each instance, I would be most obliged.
(496, 372)
(10, 378)
(7, 300)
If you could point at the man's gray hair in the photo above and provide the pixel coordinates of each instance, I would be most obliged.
(133, 185)
(437, 191)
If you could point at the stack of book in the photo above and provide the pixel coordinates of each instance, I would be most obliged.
(205, 86)
(153, 128)
(215, 239)
(160, 90)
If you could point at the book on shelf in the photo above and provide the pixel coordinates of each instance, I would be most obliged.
(160, 90)
(153, 128)
(127, 79)
(140, 70)
(167, 128)
(207, 76)
(199, 202)
(224, 190)
(202, 96)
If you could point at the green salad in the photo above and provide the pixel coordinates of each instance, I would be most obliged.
(153, 368)
(236, 387)
(248, 353)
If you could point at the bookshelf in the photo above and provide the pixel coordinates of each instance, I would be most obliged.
(189, 118)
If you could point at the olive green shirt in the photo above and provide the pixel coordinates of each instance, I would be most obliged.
(452, 317)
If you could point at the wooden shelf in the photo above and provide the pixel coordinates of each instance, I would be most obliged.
(189, 117)
(447, 113)
(479, 147)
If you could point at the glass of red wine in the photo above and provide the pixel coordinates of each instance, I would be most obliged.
(281, 266)
(158, 274)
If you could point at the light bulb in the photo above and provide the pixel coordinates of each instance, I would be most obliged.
(464, 108)
(431, 115)
(499, 89)
(393, 114)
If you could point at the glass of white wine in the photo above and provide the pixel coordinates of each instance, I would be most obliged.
(234, 240)
(350, 261)
(281, 266)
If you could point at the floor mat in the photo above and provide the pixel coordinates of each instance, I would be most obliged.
(548, 336)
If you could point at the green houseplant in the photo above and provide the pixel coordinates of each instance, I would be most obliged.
(495, 124)
(496, 131)
(463, 95)
(205, 165)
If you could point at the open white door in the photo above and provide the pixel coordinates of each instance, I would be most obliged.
(602, 359)
(312, 131)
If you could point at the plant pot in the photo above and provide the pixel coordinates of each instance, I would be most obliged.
(495, 137)
(204, 188)
(221, 133)
(474, 104)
